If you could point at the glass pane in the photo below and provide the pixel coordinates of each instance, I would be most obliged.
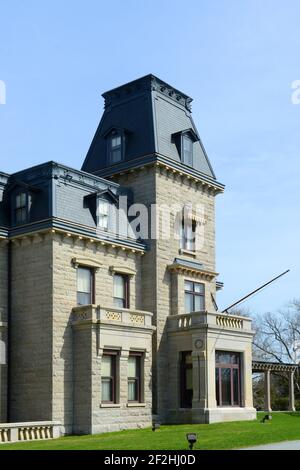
(199, 303)
(119, 303)
(83, 298)
(189, 303)
(223, 358)
(132, 366)
(226, 386)
(116, 141)
(119, 286)
(187, 150)
(189, 379)
(132, 395)
(83, 280)
(188, 285)
(21, 215)
(103, 207)
(106, 389)
(116, 155)
(217, 386)
(188, 359)
(199, 287)
(106, 366)
(103, 221)
(235, 378)
(21, 200)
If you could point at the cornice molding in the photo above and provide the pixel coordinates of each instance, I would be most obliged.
(171, 168)
(197, 272)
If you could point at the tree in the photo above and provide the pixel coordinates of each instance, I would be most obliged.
(277, 339)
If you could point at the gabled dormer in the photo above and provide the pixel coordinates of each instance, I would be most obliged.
(143, 121)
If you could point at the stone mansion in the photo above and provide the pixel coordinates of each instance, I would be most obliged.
(102, 326)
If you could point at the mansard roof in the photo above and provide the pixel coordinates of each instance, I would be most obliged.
(151, 111)
(59, 202)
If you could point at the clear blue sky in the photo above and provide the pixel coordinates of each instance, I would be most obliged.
(237, 59)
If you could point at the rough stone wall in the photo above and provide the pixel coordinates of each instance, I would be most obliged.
(64, 300)
(122, 415)
(162, 293)
(82, 380)
(31, 326)
(3, 329)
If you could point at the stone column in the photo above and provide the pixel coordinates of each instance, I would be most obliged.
(268, 390)
(291, 391)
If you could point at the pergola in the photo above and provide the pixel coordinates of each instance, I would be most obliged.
(267, 368)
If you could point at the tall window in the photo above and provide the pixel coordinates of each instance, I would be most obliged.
(194, 293)
(108, 376)
(85, 286)
(115, 148)
(186, 380)
(103, 214)
(188, 234)
(134, 376)
(121, 291)
(21, 208)
(228, 379)
(187, 150)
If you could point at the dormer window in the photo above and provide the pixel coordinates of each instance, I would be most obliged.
(103, 213)
(187, 150)
(184, 141)
(21, 207)
(115, 148)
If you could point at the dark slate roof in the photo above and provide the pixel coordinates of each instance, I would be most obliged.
(150, 112)
(59, 200)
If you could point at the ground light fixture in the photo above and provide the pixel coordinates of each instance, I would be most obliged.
(155, 426)
(266, 418)
(192, 439)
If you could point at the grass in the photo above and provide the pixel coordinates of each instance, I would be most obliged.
(284, 426)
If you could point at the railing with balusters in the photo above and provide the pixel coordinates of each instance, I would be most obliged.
(215, 320)
(19, 432)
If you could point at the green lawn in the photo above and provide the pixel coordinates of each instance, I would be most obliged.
(284, 426)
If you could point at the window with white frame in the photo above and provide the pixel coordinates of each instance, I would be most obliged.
(103, 214)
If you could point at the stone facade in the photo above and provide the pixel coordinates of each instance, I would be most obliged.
(56, 347)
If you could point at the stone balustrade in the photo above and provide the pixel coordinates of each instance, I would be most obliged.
(19, 432)
(99, 314)
(213, 320)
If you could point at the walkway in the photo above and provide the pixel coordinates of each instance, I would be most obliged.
(285, 445)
